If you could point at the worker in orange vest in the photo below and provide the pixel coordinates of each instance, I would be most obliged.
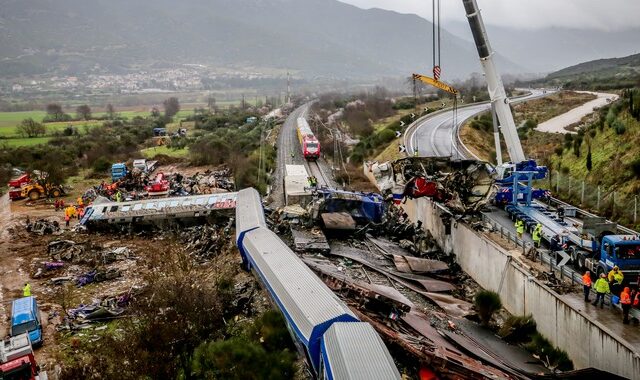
(586, 285)
(625, 302)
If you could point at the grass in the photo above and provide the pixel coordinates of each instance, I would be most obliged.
(16, 142)
(150, 153)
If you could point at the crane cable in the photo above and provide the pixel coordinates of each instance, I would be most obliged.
(435, 9)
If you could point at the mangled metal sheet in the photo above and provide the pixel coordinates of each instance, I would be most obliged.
(338, 221)
(409, 264)
(312, 240)
(464, 186)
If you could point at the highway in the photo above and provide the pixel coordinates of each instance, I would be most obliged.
(434, 135)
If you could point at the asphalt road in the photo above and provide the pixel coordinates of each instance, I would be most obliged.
(435, 135)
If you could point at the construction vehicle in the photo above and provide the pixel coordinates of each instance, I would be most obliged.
(35, 191)
(17, 361)
(15, 186)
(118, 171)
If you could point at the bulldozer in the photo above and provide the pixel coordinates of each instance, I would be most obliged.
(35, 191)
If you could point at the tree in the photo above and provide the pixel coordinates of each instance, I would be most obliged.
(55, 112)
(83, 112)
(589, 163)
(171, 106)
(487, 303)
(155, 112)
(31, 128)
(111, 112)
(211, 103)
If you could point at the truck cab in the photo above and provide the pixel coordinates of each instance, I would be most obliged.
(17, 361)
(118, 171)
(620, 250)
(25, 318)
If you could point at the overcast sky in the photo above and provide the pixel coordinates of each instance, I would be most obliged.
(596, 14)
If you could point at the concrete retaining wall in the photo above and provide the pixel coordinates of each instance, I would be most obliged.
(589, 344)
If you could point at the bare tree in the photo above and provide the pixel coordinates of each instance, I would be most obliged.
(211, 103)
(111, 112)
(171, 106)
(31, 128)
(83, 112)
(55, 112)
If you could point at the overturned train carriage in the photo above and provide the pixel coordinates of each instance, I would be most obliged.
(157, 211)
(309, 307)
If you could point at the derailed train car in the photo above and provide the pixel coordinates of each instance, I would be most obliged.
(309, 307)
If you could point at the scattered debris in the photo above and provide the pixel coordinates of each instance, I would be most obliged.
(205, 241)
(44, 227)
(312, 240)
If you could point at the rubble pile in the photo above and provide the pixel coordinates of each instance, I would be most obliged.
(205, 241)
(43, 227)
(464, 186)
(86, 253)
(107, 308)
(134, 185)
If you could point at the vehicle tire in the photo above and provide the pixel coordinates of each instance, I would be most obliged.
(34, 195)
(56, 193)
(581, 262)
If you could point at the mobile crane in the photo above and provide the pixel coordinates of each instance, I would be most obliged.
(593, 244)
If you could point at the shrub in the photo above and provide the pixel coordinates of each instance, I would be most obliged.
(487, 303)
(101, 165)
(540, 346)
(559, 150)
(635, 167)
(517, 329)
(619, 127)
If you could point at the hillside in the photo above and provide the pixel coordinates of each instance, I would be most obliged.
(314, 37)
(611, 73)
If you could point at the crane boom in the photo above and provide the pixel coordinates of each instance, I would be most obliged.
(435, 83)
(494, 82)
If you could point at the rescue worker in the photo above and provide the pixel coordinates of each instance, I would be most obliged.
(636, 300)
(601, 287)
(615, 277)
(79, 201)
(26, 291)
(625, 302)
(118, 196)
(519, 228)
(67, 218)
(536, 235)
(586, 285)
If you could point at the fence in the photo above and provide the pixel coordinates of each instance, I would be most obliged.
(607, 202)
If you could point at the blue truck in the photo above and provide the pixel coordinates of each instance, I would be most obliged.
(118, 171)
(25, 318)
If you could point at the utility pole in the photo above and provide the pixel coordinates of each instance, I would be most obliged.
(288, 88)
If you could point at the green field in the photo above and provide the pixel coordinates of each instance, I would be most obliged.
(9, 122)
(14, 142)
(154, 151)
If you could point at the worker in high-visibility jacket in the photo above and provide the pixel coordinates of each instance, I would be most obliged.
(615, 277)
(537, 234)
(586, 285)
(625, 302)
(519, 228)
(26, 291)
(602, 288)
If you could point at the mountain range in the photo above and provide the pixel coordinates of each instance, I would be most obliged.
(324, 38)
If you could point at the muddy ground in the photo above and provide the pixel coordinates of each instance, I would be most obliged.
(22, 255)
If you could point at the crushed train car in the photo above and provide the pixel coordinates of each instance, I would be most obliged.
(157, 211)
(465, 186)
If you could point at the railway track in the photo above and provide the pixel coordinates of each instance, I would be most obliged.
(314, 168)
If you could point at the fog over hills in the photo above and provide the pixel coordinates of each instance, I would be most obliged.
(313, 38)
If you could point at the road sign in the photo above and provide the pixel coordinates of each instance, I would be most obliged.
(398, 134)
(565, 258)
(401, 123)
(426, 109)
(413, 115)
(402, 148)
